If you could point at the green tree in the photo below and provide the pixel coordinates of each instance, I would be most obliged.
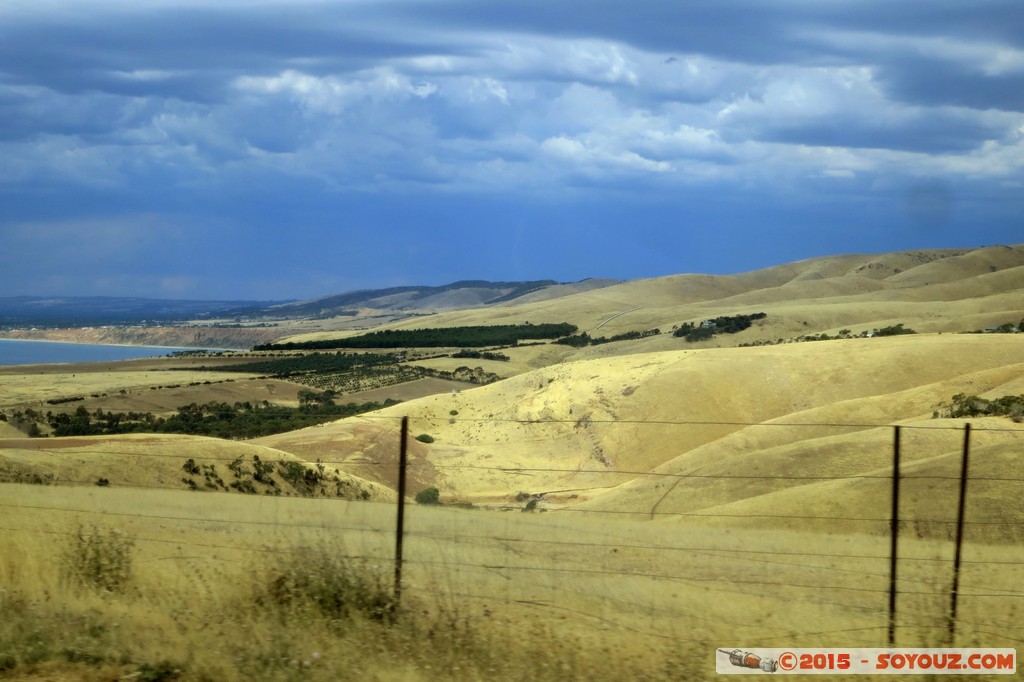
(428, 496)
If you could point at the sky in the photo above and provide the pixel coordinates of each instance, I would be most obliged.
(286, 149)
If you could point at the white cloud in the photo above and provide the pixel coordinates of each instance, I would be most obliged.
(587, 157)
(333, 94)
(145, 75)
(493, 88)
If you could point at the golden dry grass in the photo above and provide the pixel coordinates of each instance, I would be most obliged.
(156, 461)
(23, 386)
(938, 290)
(493, 596)
(587, 432)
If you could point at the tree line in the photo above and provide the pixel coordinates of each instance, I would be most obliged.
(962, 405)
(726, 324)
(216, 419)
(584, 339)
(436, 337)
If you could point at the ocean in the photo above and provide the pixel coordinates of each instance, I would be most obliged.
(16, 352)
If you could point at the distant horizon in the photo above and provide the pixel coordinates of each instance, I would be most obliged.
(278, 301)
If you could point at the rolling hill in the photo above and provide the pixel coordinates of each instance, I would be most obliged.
(948, 290)
(664, 433)
(730, 489)
(660, 426)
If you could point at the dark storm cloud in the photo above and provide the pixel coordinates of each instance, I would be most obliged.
(743, 30)
(298, 137)
(929, 132)
(986, 20)
(933, 83)
(197, 49)
(755, 32)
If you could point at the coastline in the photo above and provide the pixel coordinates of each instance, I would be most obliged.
(173, 337)
(26, 353)
(116, 345)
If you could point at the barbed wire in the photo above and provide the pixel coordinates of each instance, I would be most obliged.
(904, 522)
(168, 517)
(708, 583)
(577, 422)
(524, 470)
(501, 539)
(512, 540)
(754, 477)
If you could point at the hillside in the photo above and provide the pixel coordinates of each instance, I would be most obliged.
(943, 290)
(657, 425)
(462, 294)
(587, 432)
(169, 462)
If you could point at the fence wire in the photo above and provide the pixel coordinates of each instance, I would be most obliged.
(637, 575)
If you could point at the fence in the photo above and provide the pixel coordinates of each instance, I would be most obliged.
(891, 538)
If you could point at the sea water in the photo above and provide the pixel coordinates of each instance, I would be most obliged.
(17, 352)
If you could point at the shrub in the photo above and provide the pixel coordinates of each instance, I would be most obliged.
(963, 405)
(699, 334)
(161, 672)
(894, 330)
(327, 582)
(428, 496)
(425, 438)
(244, 486)
(263, 471)
(98, 559)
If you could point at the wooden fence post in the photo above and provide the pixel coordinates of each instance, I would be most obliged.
(894, 533)
(400, 524)
(959, 535)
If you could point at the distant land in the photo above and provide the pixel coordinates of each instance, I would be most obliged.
(73, 311)
(69, 311)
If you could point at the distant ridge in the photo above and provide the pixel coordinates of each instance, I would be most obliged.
(72, 311)
(77, 311)
(461, 294)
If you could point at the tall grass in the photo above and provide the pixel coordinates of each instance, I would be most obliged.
(98, 558)
(82, 606)
(178, 586)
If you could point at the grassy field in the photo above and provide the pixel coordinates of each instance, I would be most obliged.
(226, 587)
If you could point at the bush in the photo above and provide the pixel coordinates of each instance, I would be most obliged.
(428, 496)
(98, 559)
(425, 438)
(699, 334)
(325, 581)
(894, 330)
(963, 405)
